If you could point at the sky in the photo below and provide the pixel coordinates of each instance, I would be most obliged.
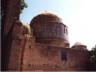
(78, 15)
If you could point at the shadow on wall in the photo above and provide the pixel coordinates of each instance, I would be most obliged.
(92, 66)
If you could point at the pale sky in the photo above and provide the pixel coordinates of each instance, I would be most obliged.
(78, 15)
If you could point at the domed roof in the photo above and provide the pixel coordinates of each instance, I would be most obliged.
(46, 17)
(78, 43)
(79, 46)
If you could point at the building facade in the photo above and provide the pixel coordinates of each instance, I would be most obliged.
(44, 45)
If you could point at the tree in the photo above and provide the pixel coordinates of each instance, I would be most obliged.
(93, 54)
(23, 5)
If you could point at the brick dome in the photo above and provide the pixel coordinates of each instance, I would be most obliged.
(49, 28)
(46, 17)
(79, 46)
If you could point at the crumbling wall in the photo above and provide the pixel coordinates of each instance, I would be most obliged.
(77, 60)
(14, 60)
(10, 13)
(19, 37)
(45, 57)
(27, 55)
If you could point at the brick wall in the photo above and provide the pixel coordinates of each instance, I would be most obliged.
(18, 40)
(10, 13)
(29, 55)
(47, 57)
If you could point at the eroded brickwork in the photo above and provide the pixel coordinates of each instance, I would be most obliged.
(28, 55)
(46, 57)
(23, 52)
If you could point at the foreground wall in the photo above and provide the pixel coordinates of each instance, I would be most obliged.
(28, 55)
(10, 13)
(38, 56)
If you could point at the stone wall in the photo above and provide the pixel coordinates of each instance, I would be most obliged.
(18, 42)
(47, 57)
(10, 13)
(27, 55)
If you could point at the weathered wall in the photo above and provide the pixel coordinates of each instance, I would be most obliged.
(15, 52)
(21, 52)
(50, 33)
(51, 30)
(10, 13)
(45, 57)
(26, 54)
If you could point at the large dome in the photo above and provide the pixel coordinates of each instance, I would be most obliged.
(49, 28)
(46, 17)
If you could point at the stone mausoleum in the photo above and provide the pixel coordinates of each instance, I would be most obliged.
(44, 45)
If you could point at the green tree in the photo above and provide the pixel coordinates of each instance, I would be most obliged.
(23, 5)
(93, 54)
